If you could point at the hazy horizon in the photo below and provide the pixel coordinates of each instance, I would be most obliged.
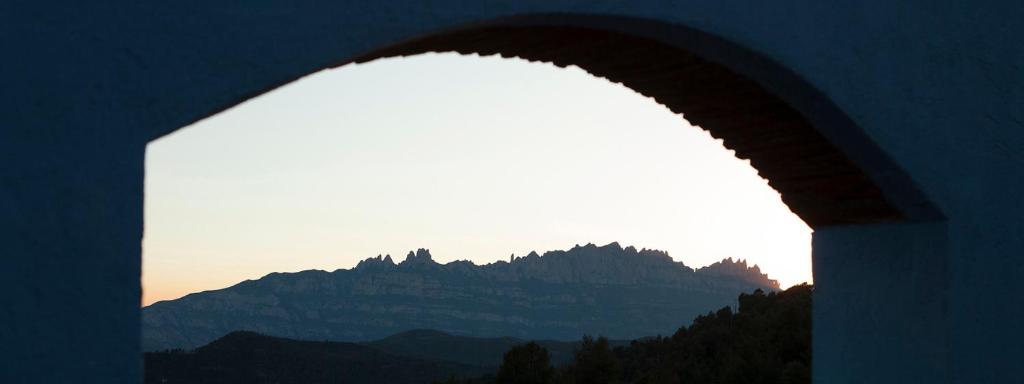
(473, 158)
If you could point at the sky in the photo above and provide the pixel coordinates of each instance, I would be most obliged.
(475, 158)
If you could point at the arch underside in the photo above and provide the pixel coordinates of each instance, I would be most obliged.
(816, 180)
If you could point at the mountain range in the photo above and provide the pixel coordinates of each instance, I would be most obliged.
(622, 293)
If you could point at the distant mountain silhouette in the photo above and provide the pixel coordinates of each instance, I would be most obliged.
(619, 292)
(247, 357)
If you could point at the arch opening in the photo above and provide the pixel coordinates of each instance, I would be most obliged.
(784, 127)
(442, 151)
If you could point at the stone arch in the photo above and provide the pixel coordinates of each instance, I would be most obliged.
(93, 83)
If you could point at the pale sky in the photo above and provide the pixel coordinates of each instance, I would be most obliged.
(473, 158)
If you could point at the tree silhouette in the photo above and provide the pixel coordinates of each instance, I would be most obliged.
(526, 364)
(595, 363)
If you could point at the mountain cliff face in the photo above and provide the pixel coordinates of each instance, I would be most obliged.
(618, 292)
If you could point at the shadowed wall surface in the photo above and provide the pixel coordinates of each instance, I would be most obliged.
(915, 105)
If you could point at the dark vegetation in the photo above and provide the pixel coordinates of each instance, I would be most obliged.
(477, 351)
(767, 340)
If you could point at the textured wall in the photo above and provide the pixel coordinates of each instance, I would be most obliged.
(937, 85)
(880, 307)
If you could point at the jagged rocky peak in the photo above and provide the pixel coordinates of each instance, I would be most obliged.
(413, 258)
(728, 264)
(738, 268)
(614, 250)
(588, 262)
(655, 254)
(379, 261)
(613, 246)
(420, 257)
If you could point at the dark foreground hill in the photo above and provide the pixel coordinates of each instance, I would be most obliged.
(476, 351)
(418, 356)
(619, 292)
(246, 357)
